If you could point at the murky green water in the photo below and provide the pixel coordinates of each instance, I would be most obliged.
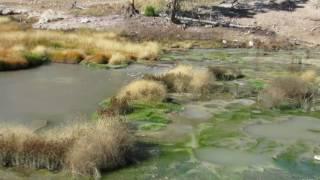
(56, 93)
(224, 136)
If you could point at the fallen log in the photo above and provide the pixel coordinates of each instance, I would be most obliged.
(214, 23)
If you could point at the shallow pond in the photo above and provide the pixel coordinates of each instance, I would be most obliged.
(57, 92)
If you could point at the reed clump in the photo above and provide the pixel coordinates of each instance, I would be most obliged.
(83, 149)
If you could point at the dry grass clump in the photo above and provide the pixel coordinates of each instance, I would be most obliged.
(84, 149)
(145, 90)
(292, 91)
(99, 58)
(117, 106)
(104, 146)
(225, 73)
(118, 58)
(21, 147)
(12, 60)
(309, 76)
(185, 78)
(67, 56)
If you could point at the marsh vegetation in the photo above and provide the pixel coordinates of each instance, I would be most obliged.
(23, 47)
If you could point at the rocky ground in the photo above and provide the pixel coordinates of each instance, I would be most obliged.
(294, 21)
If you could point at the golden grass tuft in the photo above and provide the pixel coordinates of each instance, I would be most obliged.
(118, 59)
(146, 90)
(185, 78)
(12, 59)
(84, 149)
(67, 56)
(309, 76)
(104, 146)
(98, 58)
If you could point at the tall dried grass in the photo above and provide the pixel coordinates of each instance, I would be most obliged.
(84, 149)
(185, 78)
(146, 90)
(296, 91)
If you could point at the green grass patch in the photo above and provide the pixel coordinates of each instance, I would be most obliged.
(35, 59)
(150, 11)
(152, 112)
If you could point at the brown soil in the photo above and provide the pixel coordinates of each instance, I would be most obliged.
(300, 26)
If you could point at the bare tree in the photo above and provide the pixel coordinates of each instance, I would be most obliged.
(131, 9)
(174, 8)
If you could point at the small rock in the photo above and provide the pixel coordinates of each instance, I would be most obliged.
(251, 43)
(49, 16)
(85, 20)
(224, 41)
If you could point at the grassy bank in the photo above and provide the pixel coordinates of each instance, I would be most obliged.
(23, 47)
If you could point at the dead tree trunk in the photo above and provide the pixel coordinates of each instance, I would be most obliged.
(175, 7)
(130, 9)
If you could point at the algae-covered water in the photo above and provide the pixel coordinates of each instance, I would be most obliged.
(222, 136)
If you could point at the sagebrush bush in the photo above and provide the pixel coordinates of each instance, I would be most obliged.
(225, 73)
(145, 90)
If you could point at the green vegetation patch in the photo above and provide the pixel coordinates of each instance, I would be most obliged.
(35, 59)
(152, 112)
(225, 126)
(150, 11)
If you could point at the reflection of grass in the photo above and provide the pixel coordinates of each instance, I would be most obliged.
(314, 130)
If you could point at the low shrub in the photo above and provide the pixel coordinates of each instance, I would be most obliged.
(145, 90)
(225, 73)
(150, 11)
